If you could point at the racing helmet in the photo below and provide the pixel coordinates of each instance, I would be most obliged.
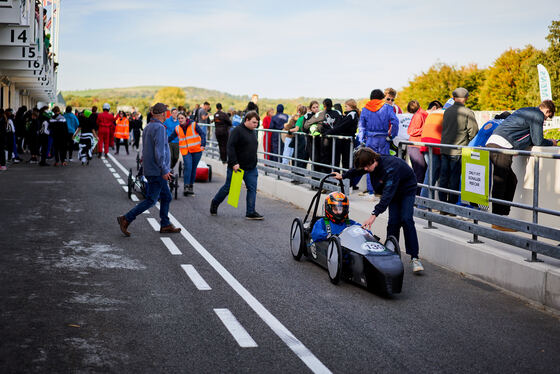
(337, 207)
(106, 106)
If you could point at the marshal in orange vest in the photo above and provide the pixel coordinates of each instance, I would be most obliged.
(121, 130)
(189, 142)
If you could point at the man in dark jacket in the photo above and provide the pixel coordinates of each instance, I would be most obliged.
(396, 182)
(242, 154)
(223, 125)
(277, 123)
(522, 129)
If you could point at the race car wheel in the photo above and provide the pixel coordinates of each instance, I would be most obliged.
(296, 239)
(180, 169)
(130, 184)
(334, 259)
(392, 244)
(209, 173)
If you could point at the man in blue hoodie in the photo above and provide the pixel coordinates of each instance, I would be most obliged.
(72, 124)
(277, 123)
(170, 125)
(522, 129)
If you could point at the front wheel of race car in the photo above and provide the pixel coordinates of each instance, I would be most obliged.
(296, 239)
(334, 259)
(392, 244)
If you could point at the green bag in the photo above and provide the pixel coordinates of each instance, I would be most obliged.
(235, 188)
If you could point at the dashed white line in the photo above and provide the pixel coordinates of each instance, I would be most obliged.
(235, 329)
(116, 175)
(121, 181)
(171, 246)
(154, 223)
(134, 197)
(295, 345)
(196, 278)
(125, 188)
(112, 170)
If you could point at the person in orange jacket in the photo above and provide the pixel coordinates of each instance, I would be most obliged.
(122, 131)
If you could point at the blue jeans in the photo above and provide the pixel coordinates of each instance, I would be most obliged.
(190, 160)
(250, 178)
(400, 215)
(435, 171)
(157, 188)
(450, 177)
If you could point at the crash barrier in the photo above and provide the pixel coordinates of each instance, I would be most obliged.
(305, 171)
(543, 238)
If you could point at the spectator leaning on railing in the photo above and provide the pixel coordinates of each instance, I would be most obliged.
(522, 129)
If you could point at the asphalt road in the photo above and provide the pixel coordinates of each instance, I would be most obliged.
(78, 296)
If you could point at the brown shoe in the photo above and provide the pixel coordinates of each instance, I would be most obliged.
(123, 223)
(169, 229)
(502, 228)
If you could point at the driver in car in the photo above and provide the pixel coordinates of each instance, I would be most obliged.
(336, 219)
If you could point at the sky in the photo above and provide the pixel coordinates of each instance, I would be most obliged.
(286, 49)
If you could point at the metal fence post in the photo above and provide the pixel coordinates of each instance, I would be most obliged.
(535, 204)
(333, 150)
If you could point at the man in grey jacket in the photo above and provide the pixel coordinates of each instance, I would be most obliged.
(459, 128)
(155, 161)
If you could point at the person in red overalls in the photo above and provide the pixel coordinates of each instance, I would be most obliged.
(105, 121)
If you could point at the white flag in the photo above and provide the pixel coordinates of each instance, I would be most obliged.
(544, 83)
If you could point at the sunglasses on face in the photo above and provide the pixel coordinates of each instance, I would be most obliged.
(389, 99)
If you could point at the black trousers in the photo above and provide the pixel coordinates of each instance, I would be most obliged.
(121, 141)
(44, 142)
(222, 136)
(342, 152)
(504, 180)
(2, 148)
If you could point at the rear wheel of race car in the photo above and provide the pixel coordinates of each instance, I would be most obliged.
(334, 259)
(392, 244)
(296, 239)
(209, 173)
(130, 184)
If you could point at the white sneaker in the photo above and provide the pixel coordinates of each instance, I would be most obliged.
(416, 265)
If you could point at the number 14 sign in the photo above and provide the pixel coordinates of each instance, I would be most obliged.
(15, 36)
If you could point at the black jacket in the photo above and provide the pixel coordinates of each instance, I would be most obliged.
(221, 119)
(346, 126)
(242, 148)
(392, 178)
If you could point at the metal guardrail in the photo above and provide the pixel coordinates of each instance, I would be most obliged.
(426, 206)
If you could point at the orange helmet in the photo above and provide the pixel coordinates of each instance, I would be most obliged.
(337, 207)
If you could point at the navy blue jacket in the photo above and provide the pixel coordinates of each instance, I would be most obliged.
(524, 128)
(392, 178)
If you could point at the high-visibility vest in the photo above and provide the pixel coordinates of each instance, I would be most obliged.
(190, 141)
(121, 130)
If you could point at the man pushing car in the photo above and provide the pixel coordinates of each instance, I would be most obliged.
(395, 181)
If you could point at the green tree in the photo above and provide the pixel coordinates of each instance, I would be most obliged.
(512, 82)
(172, 96)
(553, 58)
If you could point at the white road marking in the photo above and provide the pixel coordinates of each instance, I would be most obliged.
(154, 223)
(112, 170)
(196, 278)
(121, 181)
(125, 188)
(275, 325)
(116, 175)
(134, 197)
(235, 329)
(171, 246)
(146, 212)
(118, 164)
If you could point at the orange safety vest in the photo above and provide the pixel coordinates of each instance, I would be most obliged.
(190, 141)
(121, 130)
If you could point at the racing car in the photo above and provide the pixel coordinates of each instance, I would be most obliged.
(203, 172)
(355, 254)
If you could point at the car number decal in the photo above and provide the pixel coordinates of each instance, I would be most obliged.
(373, 247)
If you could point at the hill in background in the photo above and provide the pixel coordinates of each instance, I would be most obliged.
(140, 98)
